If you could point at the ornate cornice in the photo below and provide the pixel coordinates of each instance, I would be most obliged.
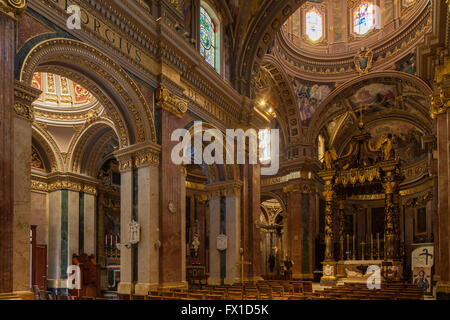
(299, 188)
(227, 188)
(13, 8)
(24, 96)
(440, 101)
(138, 155)
(59, 181)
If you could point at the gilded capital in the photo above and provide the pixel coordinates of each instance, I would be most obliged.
(440, 101)
(13, 8)
(170, 102)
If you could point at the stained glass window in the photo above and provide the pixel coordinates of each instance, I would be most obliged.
(314, 25)
(363, 18)
(264, 145)
(207, 37)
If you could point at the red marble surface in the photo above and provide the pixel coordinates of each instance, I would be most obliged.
(29, 28)
(6, 152)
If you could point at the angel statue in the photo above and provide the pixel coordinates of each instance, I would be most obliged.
(386, 146)
(328, 158)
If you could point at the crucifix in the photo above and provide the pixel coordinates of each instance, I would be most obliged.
(242, 263)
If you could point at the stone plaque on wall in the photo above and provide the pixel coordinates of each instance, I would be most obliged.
(222, 242)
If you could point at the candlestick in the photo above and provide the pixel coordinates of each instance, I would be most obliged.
(363, 256)
(378, 246)
(371, 246)
(348, 246)
(354, 248)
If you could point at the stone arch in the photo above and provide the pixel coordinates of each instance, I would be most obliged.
(87, 144)
(272, 195)
(269, 19)
(289, 115)
(103, 77)
(48, 149)
(327, 110)
(217, 172)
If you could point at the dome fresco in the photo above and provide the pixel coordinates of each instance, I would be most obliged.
(60, 92)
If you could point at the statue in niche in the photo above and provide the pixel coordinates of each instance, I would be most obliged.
(196, 244)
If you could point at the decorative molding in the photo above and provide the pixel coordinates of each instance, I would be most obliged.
(138, 155)
(13, 8)
(24, 96)
(170, 102)
(227, 188)
(57, 181)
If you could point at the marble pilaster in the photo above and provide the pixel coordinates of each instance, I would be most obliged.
(214, 231)
(125, 285)
(148, 208)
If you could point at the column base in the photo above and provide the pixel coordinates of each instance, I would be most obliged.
(232, 280)
(329, 273)
(142, 289)
(213, 281)
(125, 288)
(443, 290)
(173, 285)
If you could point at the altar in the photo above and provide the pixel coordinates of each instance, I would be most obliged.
(365, 170)
(356, 270)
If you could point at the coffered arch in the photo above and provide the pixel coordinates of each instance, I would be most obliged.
(288, 112)
(271, 16)
(407, 90)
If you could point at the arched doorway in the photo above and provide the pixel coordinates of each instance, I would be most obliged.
(273, 246)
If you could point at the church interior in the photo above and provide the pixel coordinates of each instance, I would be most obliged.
(94, 207)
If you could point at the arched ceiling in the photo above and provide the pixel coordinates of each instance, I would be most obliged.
(387, 102)
(63, 101)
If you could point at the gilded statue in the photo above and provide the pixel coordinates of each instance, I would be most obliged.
(328, 157)
(386, 146)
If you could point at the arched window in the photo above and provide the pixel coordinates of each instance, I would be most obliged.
(364, 17)
(209, 37)
(314, 25)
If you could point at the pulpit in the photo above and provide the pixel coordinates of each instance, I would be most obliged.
(90, 275)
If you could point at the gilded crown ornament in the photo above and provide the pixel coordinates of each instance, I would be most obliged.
(363, 60)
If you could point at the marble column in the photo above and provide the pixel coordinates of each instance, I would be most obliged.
(301, 209)
(73, 215)
(126, 285)
(439, 111)
(225, 218)
(252, 246)
(89, 224)
(233, 227)
(54, 239)
(101, 254)
(214, 231)
(148, 207)
(14, 265)
(171, 108)
(23, 116)
(294, 218)
(64, 231)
